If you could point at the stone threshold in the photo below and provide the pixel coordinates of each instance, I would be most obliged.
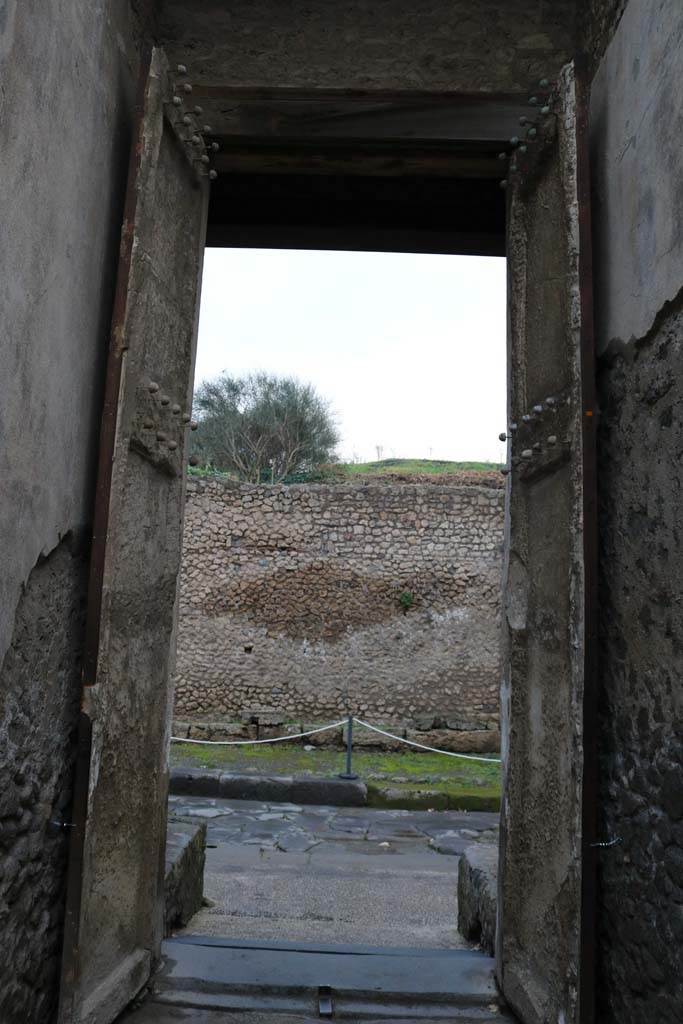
(219, 976)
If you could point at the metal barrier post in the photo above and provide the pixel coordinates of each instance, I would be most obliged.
(349, 773)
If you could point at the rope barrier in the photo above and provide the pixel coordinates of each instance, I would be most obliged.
(248, 743)
(423, 746)
(336, 725)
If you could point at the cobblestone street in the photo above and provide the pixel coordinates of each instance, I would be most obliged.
(332, 875)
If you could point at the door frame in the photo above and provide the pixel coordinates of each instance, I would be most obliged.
(107, 441)
(160, 157)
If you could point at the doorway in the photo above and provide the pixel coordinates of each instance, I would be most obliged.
(363, 580)
(134, 580)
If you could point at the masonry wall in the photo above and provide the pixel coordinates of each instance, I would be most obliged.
(637, 168)
(291, 599)
(67, 70)
(460, 45)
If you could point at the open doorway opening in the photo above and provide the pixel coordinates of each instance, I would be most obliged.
(358, 576)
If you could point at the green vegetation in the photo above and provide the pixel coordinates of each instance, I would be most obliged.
(209, 471)
(413, 467)
(409, 780)
(262, 428)
(339, 472)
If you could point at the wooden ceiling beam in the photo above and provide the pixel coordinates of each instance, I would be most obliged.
(297, 114)
(389, 160)
(355, 239)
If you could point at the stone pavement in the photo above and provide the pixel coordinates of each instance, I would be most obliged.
(332, 875)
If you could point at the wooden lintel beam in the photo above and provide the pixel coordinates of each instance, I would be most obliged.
(295, 114)
(238, 158)
(355, 239)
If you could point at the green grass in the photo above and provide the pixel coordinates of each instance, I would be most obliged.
(337, 472)
(206, 471)
(414, 467)
(408, 779)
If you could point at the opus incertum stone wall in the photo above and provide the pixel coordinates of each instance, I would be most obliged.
(293, 598)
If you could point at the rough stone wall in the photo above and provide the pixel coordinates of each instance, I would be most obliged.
(641, 444)
(596, 24)
(490, 45)
(39, 698)
(290, 599)
(637, 169)
(68, 70)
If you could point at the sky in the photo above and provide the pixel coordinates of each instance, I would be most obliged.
(409, 350)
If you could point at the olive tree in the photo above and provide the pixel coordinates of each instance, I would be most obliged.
(262, 427)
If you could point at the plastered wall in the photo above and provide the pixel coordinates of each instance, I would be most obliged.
(67, 71)
(637, 163)
(291, 598)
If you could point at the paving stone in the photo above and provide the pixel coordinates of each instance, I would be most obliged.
(294, 876)
(207, 812)
(266, 842)
(293, 843)
(449, 847)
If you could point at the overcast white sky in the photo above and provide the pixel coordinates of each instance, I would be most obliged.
(408, 349)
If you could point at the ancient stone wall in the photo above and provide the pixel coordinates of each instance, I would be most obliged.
(39, 700)
(637, 169)
(311, 599)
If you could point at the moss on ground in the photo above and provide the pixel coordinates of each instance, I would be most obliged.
(409, 780)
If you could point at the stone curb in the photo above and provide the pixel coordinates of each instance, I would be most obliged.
(184, 876)
(277, 789)
(478, 894)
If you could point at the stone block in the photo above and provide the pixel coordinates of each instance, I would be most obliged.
(199, 731)
(329, 738)
(423, 723)
(482, 741)
(184, 879)
(194, 782)
(181, 729)
(231, 731)
(330, 792)
(256, 787)
(267, 732)
(262, 716)
(275, 789)
(477, 894)
(271, 718)
(464, 724)
(366, 739)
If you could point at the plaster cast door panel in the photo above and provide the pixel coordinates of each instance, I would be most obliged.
(549, 531)
(114, 920)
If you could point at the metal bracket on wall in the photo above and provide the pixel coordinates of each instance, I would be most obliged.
(325, 1006)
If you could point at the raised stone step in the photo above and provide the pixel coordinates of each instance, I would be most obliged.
(359, 983)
